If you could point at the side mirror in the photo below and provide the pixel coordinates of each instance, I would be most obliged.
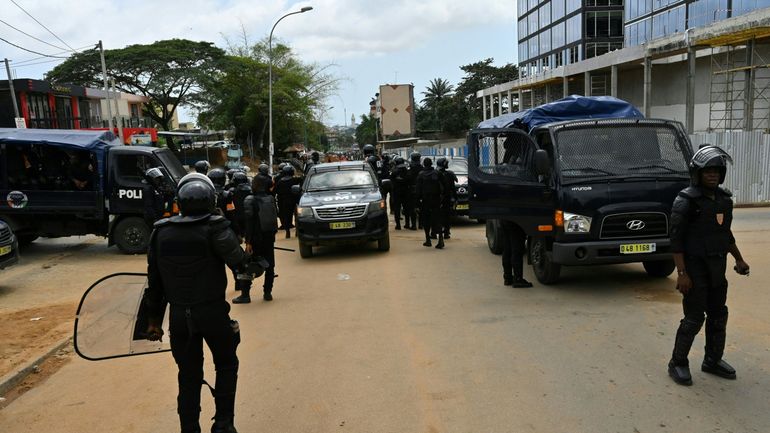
(296, 189)
(542, 162)
(386, 186)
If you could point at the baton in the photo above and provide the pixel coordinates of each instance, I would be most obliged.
(284, 249)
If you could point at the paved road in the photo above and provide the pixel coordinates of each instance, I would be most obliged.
(420, 340)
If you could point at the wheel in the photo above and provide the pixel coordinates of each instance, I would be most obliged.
(659, 268)
(305, 250)
(131, 235)
(546, 271)
(494, 242)
(25, 240)
(383, 244)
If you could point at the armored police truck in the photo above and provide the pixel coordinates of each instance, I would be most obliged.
(72, 182)
(589, 180)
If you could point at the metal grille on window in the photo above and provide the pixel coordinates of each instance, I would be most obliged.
(619, 149)
(333, 212)
(506, 154)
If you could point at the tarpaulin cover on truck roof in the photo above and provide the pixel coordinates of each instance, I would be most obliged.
(574, 107)
(96, 142)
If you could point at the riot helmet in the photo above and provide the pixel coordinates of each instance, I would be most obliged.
(154, 176)
(372, 160)
(217, 176)
(315, 157)
(709, 156)
(415, 157)
(368, 149)
(287, 170)
(263, 169)
(230, 174)
(442, 163)
(281, 166)
(194, 177)
(240, 178)
(202, 166)
(427, 163)
(196, 198)
(399, 160)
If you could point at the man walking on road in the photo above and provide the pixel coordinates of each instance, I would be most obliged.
(701, 238)
(430, 192)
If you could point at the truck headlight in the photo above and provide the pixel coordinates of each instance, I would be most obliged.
(574, 223)
(304, 212)
(377, 206)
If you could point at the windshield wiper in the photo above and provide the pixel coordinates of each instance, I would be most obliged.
(641, 167)
(594, 169)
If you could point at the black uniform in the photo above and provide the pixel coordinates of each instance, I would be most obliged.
(154, 204)
(186, 269)
(410, 201)
(287, 201)
(448, 178)
(514, 240)
(261, 228)
(401, 191)
(225, 203)
(430, 192)
(239, 194)
(700, 230)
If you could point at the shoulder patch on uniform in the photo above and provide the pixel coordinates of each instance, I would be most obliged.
(691, 192)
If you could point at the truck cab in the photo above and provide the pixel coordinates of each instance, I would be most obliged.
(585, 191)
(62, 183)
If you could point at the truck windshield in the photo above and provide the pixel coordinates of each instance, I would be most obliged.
(172, 164)
(340, 180)
(620, 150)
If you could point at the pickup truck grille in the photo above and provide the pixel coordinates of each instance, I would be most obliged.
(340, 212)
(5, 235)
(634, 225)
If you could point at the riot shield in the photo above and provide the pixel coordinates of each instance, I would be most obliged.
(111, 321)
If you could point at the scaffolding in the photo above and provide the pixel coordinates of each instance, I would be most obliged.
(740, 88)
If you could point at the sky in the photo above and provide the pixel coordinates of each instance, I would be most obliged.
(366, 43)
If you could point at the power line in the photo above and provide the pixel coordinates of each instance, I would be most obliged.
(21, 62)
(41, 24)
(33, 52)
(33, 37)
(36, 63)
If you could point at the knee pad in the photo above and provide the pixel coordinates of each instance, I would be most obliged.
(692, 323)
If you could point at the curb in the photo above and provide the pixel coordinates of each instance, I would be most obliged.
(10, 380)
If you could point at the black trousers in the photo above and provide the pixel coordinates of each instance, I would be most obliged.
(189, 327)
(265, 247)
(446, 214)
(286, 213)
(410, 205)
(396, 202)
(514, 240)
(430, 216)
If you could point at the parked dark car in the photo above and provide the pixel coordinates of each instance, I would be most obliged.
(9, 246)
(341, 204)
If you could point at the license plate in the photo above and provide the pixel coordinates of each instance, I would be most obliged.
(637, 248)
(5, 250)
(342, 225)
(462, 207)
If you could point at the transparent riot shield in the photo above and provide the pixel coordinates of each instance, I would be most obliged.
(111, 322)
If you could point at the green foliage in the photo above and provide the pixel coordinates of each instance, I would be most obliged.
(366, 132)
(481, 75)
(167, 72)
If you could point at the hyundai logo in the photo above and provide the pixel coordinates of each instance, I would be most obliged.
(341, 209)
(461, 190)
(635, 225)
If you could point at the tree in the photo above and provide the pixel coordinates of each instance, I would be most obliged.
(166, 72)
(481, 75)
(437, 90)
(366, 132)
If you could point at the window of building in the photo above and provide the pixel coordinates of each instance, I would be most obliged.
(523, 52)
(532, 23)
(573, 5)
(574, 29)
(545, 41)
(557, 35)
(523, 28)
(574, 54)
(534, 48)
(522, 7)
(741, 7)
(639, 33)
(39, 111)
(557, 9)
(532, 4)
(704, 12)
(602, 24)
(638, 8)
(545, 14)
(558, 59)
(594, 49)
(600, 3)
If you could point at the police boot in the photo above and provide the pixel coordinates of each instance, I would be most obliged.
(267, 295)
(440, 244)
(521, 283)
(427, 242)
(679, 366)
(244, 298)
(223, 427)
(716, 326)
(288, 234)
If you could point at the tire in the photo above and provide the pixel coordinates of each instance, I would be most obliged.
(493, 234)
(545, 270)
(25, 240)
(131, 235)
(383, 244)
(659, 268)
(305, 250)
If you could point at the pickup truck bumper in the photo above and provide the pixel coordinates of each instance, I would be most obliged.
(369, 228)
(608, 252)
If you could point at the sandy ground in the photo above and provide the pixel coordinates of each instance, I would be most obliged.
(421, 340)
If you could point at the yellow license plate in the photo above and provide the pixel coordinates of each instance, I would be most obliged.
(462, 207)
(343, 225)
(5, 250)
(637, 248)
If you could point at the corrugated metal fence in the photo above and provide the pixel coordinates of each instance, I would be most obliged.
(749, 178)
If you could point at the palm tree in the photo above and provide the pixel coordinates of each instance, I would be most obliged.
(438, 89)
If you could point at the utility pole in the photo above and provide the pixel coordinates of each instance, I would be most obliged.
(106, 87)
(117, 114)
(10, 86)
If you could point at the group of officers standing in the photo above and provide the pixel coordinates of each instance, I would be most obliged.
(425, 196)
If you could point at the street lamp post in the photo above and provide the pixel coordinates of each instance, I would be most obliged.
(270, 83)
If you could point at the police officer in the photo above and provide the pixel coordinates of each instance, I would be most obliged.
(400, 180)
(157, 198)
(430, 192)
(224, 197)
(369, 150)
(202, 167)
(701, 238)
(264, 171)
(448, 178)
(315, 158)
(287, 201)
(410, 201)
(261, 227)
(186, 264)
(514, 246)
(241, 189)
